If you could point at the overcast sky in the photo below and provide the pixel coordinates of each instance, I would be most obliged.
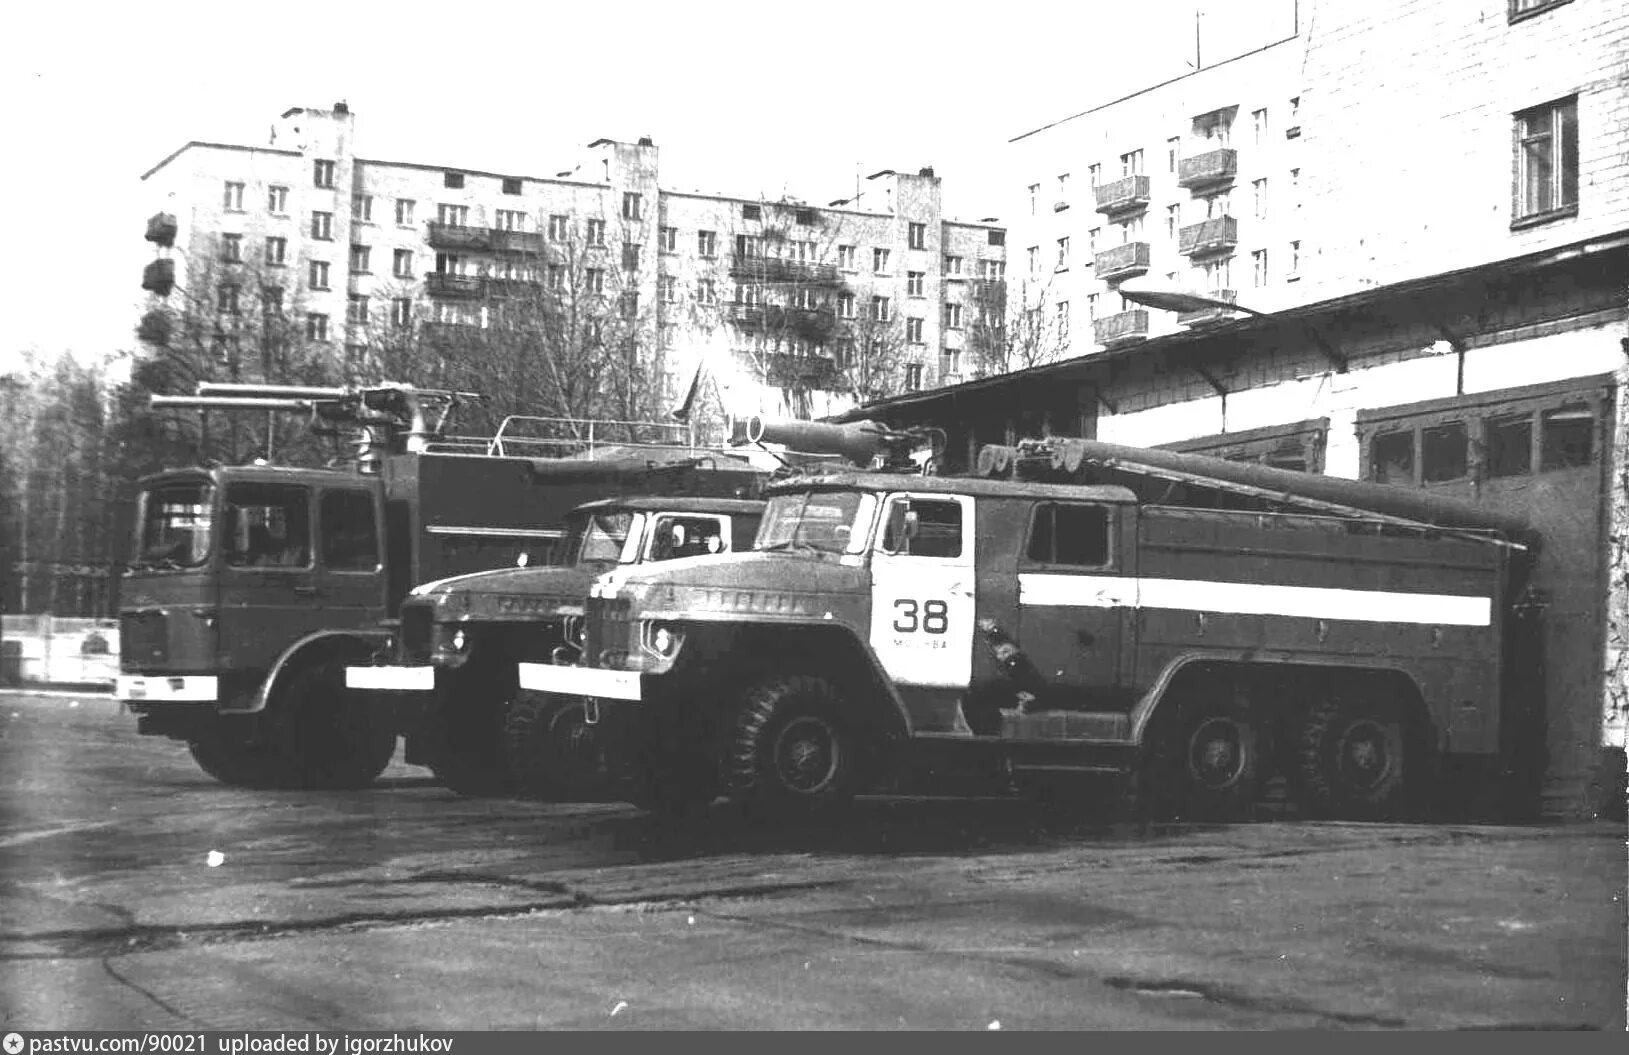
(742, 98)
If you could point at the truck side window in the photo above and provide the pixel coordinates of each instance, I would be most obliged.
(1391, 458)
(268, 526)
(349, 540)
(686, 536)
(1509, 445)
(1070, 534)
(937, 531)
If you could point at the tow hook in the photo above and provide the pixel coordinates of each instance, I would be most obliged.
(591, 711)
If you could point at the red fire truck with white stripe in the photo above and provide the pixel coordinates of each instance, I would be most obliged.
(1075, 609)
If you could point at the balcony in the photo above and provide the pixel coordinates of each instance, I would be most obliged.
(799, 371)
(517, 241)
(747, 316)
(1122, 328)
(161, 229)
(449, 333)
(774, 269)
(1206, 315)
(1209, 236)
(454, 236)
(159, 277)
(1213, 166)
(1122, 195)
(512, 287)
(1122, 261)
(441, 284)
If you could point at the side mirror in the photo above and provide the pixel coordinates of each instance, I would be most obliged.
(902, 527)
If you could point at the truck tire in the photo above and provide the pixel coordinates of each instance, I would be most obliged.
(331, 737)
(1206, 763)
(791, 753)
(237, 760)
(551, 750)
(467, 754)
(1353, 759)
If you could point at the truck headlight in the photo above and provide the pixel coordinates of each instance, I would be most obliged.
(458, 641)
(663, 639)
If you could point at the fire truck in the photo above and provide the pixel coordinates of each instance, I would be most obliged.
(458, 640)
(1179, 625)
(252, 586)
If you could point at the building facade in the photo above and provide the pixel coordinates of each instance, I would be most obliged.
(791, 308)
(1429, 202)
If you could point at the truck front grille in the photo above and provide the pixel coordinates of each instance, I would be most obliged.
(417, 621)
(607, 628)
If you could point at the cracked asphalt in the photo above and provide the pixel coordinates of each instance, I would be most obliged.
(135, 893)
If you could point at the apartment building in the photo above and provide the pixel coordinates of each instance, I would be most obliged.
(786, 303)
(1425, 208)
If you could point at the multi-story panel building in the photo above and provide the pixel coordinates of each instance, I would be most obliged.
(1429, 202)
(792, 308)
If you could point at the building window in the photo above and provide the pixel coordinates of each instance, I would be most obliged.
(271, 301)
(706, 291)
(918, 235)
(1547, 160)
(992, 270)
(881, 309)
(1173, 220)
(1063, 193)
(805, 300)
(914, 283)
(596, 232)
(953, 316)
(452, 180)
(322, 226)
(360, 256)
(557, 228)
(404, 212)
(1131, 164)
(362, 208)
(451, 264)
(231, 249)
(748, 294)
(594, 280)
(913, 377)
(845, 257)
(752, 212)
(1218, 275)
(1217, 205)
(1033, 255)
(1260, 186)
(1063, 320)
(276, 251)
(232, 199)
(667, 240)
(630, 256)
(630, 304)
(1034, 193)
(401, 264)
(322, 175)
(913, 330)
(1094, 176)
(1173, 153)
(1295, 261)
(632, 208)
(670, 290)
(997, 237)
(749, 246)
(511, 186)
(1216, 127)
(1258, 261)
(845, 305)
(953, 265)
(316, 327)
(1091, 307)
(356, 309)
(227, 299)
(1259, 119)
(557, 276)
(277, 200)
(452, 215)
(707, 244)
(879, 261)
(1063, 254)
(509, 220)
(319, 274)
(1094, 240)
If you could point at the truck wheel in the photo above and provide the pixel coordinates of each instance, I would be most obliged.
(467, 755)
(237, 760)
(1208, 762)
(1353, 760)
(791, 752)
(333, 737)
(551, 750)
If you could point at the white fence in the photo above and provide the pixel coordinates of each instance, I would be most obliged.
(63, 650)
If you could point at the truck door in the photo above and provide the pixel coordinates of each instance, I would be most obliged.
(350, 566)
(923, 586)
(1075, 595)
(268, 593)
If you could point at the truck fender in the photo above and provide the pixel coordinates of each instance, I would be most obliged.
(898, 718)
(359, 642)
(1142, 713)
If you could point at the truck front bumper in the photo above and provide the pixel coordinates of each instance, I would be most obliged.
(149, 688)
(582, 681)
(391, 679)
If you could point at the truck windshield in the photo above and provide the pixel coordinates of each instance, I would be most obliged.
(598, 539)
(173, 525)
(828, 521)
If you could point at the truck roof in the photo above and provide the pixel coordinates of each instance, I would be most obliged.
(674, 504)
(961, 485)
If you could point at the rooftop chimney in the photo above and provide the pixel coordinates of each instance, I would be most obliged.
(341, 108)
